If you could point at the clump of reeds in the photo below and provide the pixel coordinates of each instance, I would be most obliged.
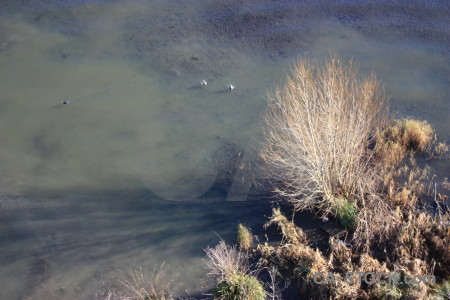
(290, 233)
(414, 134)
(231, 269)
(420, 243)
(440, 150)
(319, 127)
(295, 250)
(244, 237)
(394, 141)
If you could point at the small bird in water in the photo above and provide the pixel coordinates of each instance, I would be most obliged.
(203, 83)
(231, 87)
(65, 102)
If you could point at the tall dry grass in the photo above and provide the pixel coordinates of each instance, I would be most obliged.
(244, 237)
(319, 128)
(139, 285)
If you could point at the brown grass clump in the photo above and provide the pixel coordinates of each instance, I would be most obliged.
(295, 247)
(244, 237)
(415, 135)
(423, 245)
(319, 128)
(393, 143)
(306, 259)
(340, 255)
(295, 251)
(300, 258)
(370, 264)
(440, 150)
(404, 197)
(290, 233)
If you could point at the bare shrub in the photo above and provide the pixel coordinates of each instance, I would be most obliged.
(225, 260)
(273, 285)
(320, 125)
(230, 267)
(140, 286)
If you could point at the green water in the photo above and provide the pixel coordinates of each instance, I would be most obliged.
(85, 186)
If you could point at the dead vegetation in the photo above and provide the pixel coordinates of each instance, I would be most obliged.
(410, 134)
(440, 150)
(414, 254)
(291, 234)
(393, 143)
(139, 285)
(244, 237)
(225, 260)
(231, 270)
(329, 148)
(319, 128)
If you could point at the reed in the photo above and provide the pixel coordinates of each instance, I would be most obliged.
(244, 237)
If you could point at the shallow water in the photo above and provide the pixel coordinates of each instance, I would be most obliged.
(86, 188)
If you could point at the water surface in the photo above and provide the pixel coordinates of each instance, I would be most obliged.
(85, 186)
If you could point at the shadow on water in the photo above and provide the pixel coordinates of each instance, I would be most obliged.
(93, 234)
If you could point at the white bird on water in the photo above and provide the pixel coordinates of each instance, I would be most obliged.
(231, 87)
(203, 83)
